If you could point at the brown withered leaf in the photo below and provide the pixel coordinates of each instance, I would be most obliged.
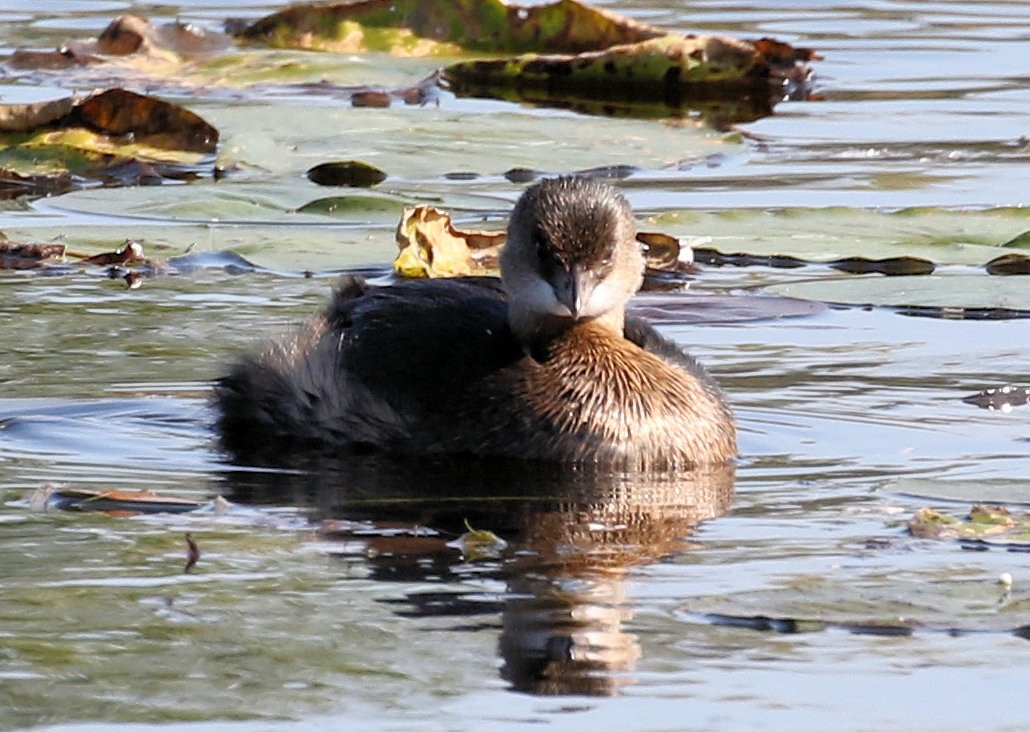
(431, 246)
(352, 173)
(14, 185)
(192, 553)
(126, 36)
(114, 501)
(148, 120)
(14, 255)
(1009, 264)
(114, 137)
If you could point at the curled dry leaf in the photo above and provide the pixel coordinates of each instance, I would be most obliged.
(430, 246)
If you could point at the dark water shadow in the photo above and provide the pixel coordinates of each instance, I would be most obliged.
(573, 536)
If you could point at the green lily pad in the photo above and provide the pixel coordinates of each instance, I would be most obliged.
(945, 291)
(354, 205)
(984, 524)
(996, 490)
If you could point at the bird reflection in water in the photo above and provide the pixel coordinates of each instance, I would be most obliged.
(574, 535)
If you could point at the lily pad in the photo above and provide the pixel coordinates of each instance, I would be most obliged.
(997, 490)
(112, 136)
(592, 57)
(353, 173)
(433, 27)
(945, 292)
(984, 524)
(354, 205)
(112, 501)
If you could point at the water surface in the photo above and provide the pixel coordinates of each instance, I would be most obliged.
(614, 605)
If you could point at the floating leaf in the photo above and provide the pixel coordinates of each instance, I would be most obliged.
(22, 117)
(984, 524)
(427, 27)
(1021, 241)
(116, 137)
(352, 173)
(943, 296)
(353, 205)
(1009, 264)
(430, 246)
(597, 61)
(50, 496)
(147, 120)
(479, 544)
(638, 70)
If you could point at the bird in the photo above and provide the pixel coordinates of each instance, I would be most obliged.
(543, 364)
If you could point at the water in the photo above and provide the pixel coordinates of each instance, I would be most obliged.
(328, 595)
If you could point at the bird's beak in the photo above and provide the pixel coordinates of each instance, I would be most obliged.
(573, 289)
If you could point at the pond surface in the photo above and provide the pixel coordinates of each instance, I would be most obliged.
(787, 594)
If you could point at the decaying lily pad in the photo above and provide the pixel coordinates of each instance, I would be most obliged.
(648, 69)
(113, 136)
(590, 56)
(427, 27)
(23, 117)
(994, 525)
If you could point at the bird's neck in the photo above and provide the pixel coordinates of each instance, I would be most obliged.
(537, 332)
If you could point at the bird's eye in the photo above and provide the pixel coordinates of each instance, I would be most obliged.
(540, 241)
